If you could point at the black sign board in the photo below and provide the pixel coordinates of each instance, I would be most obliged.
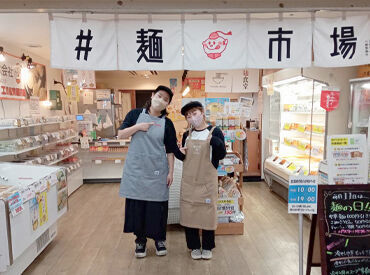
(344, 224)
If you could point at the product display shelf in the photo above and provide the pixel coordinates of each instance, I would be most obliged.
(29, 210)
(33, 125)
(232, 228)
(64, 158)
(3, 154)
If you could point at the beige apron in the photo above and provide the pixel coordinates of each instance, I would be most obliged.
(199, 186)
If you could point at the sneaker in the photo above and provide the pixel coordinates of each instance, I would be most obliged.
(196, 254)
(140, 251)
(206, 254)
(161, 249)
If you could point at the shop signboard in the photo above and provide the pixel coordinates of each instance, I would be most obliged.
(218, 44)
(347, 158)
(329, 98)
(213, 45)
(343, 217)
(218, 81)
(245, 81)
(302, 197)
(83, 45)
(18, 82)
(155, 45)
(341, 42)
(274, 43)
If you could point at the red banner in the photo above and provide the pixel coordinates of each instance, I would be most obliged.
(329, 99)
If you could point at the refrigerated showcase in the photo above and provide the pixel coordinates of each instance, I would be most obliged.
(360, 105)
(296, 133)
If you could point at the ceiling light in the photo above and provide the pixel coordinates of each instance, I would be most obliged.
(47, 103)
(2, 57)
(366, 86)
(186, 91)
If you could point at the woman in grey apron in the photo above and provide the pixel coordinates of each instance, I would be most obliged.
(204, 147)
(148, 171)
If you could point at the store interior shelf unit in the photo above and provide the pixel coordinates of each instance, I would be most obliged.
(41, 141)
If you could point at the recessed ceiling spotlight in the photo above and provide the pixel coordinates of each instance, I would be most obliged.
(31, 45)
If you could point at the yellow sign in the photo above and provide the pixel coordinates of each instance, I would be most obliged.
(43, 208)
(339, 141)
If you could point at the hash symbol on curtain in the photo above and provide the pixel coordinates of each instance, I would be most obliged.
(347, 41)
(81, 37)
(151, 42)
(279, 41)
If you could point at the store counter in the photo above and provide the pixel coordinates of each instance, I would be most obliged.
(103, 161)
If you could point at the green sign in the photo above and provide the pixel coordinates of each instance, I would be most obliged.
(55, 99)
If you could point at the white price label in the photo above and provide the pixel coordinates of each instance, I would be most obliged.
(98, 161)
(122, 143)
(117, 161)
(105, 144)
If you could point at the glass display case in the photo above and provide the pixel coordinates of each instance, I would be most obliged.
(360, 105)
(297, 127)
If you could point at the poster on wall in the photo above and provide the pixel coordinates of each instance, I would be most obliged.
(86, 79)
(347, 159)
(55, 99)
(34, 105)
(215, 106)
(18, 82)
(245, 81)
(218, 81)
(73, 93)
(88, 97)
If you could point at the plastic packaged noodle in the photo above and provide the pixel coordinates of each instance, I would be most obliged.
(238, 217)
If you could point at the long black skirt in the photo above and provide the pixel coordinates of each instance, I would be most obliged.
(146, 219)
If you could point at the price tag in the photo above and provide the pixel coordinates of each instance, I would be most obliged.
(105, 143)
(37, 138)
(122, 143)
(117, 161)
(302, 195)
(98, 161)
(48, 157)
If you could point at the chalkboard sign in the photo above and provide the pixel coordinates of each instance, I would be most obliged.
(344, 223)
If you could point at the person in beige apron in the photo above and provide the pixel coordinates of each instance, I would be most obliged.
(203, 147)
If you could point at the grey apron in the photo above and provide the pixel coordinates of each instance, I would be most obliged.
(146, 166)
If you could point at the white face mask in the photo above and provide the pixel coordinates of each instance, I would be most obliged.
(196, 120)
(158, 104)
